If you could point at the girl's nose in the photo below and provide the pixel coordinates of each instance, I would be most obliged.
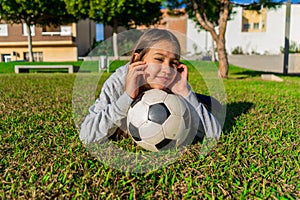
(167, 69)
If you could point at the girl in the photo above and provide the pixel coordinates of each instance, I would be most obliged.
(154, 64)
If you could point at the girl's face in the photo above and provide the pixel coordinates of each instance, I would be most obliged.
(162, 64)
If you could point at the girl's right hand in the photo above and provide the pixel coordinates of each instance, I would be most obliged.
(133, 79)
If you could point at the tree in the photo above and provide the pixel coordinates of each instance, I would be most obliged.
(209, 14)
(115, 13)
(212, 15)
(32, 12)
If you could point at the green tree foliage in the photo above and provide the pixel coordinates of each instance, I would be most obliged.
(33, 12)
(126, 13)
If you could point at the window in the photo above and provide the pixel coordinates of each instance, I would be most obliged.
(256, 25)
(51, 29)
(38, 56)
(57, 30)
(254, 21)
(246, 27)
(25, 32)
(65, 30)
(3, 30)
(6, 57)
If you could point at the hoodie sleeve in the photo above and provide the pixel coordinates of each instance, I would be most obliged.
(208, 124)
(108, 113)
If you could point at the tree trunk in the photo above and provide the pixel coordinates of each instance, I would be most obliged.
(213, 53)
(223, 60)
(29, 37)
(115, 39)
(221, 51)
(219, 38)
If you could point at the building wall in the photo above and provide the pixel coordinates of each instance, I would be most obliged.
(108, 31)
(268, 42)
(176, 24)
(59, 54)
(49, 53)
(15, 34)
(56, 46)
(295, 24)
(197, 41)
(86, 36)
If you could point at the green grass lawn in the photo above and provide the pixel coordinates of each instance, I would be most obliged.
(257, 156)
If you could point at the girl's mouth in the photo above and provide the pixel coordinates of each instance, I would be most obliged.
(163, 79)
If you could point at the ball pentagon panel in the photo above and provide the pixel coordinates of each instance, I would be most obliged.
(154, 96)
(137, 115)
(175, 104)
(151, 132)
(174, 127)
(158, 113)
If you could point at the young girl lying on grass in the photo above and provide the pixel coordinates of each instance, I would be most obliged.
(155, 63)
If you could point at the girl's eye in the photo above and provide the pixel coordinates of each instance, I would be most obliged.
(159, 59)
(174, 64)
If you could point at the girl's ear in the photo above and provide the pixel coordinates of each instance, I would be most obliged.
(135, 57)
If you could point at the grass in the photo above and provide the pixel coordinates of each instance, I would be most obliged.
(257, 156)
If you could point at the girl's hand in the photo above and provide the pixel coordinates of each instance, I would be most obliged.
(180, 83)
(133, 79)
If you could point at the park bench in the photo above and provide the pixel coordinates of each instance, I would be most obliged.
(25, 68)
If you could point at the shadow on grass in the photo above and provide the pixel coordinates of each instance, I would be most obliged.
(251, 73)
(235, 110)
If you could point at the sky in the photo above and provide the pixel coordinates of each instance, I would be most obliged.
(251, 1)
(99, 32)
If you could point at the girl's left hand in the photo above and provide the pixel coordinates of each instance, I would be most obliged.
(180, 83)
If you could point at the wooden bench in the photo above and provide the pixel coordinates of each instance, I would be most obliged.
(25, 68)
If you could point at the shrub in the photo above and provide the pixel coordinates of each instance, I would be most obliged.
(293, 48)
(237, 50)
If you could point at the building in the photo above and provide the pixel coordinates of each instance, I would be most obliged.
(251, 32)
(248, 32)
(61, 43)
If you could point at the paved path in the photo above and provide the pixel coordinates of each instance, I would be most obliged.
(266, 63)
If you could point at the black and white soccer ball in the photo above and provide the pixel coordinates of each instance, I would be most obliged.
(158, 120)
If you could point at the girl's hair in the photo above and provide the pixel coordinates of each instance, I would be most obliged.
(150, 37)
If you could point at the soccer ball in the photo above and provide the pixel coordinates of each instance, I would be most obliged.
(158, 120)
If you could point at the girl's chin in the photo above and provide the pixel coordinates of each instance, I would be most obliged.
(157, 86)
